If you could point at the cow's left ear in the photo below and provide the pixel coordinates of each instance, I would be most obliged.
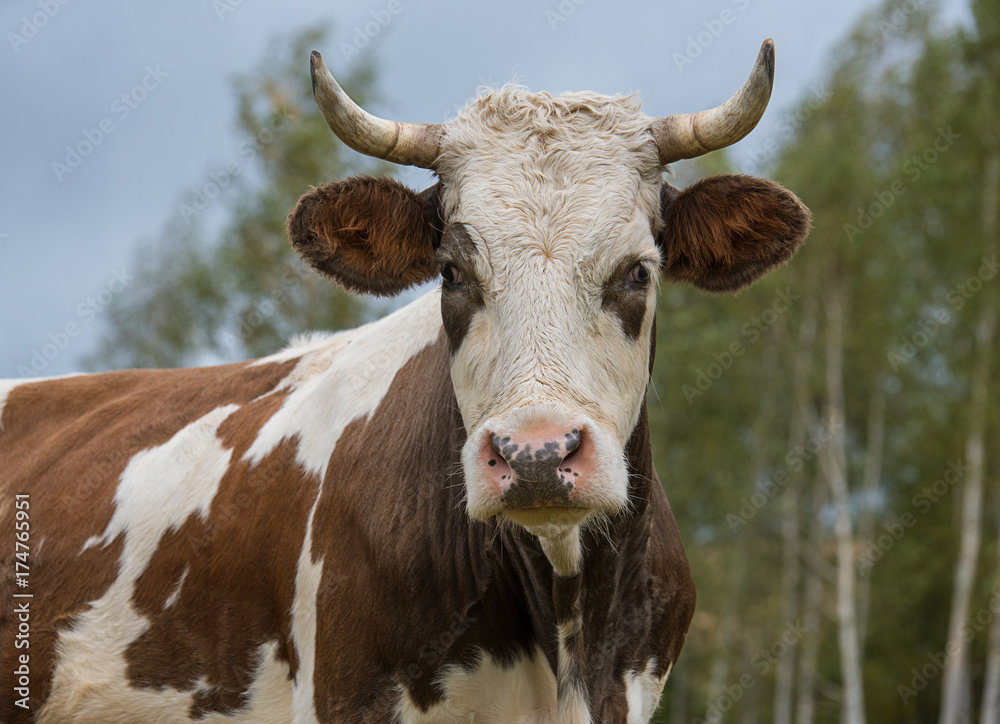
(371, 234)
(725, 232)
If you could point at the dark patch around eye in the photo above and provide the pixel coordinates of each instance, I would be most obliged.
(626, 300)
(459, 303)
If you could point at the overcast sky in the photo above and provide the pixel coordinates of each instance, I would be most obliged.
(148, 87)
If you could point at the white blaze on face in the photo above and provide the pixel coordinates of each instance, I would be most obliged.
(559, 198)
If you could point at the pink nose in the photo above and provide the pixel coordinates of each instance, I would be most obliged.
(539, 467)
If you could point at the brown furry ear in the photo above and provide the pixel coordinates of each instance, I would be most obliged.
(372, 235)
(725, 232)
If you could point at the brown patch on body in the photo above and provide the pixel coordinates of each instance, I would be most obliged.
(389, 601)
(371, 234)
(239, 588)
(66, 442)
(724, 232)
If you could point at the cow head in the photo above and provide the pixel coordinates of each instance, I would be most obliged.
(551, 229)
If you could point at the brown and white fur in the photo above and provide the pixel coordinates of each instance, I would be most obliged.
(448, 515)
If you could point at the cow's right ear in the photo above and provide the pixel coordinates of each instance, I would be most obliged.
(372, 235)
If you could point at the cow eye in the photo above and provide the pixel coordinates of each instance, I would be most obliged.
(452, 276)
(639, 275)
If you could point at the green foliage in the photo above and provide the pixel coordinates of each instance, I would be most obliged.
(892, 164)
(221, 283)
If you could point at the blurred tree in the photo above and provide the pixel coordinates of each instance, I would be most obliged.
(869, 543)
(221, 283)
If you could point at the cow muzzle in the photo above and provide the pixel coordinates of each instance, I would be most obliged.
(544, 470)
(538, 467)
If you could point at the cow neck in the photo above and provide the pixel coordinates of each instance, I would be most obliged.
(456, 587)
(571, 619)
(569, 615)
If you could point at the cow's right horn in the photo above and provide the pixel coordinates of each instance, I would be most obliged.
(409, 144)
(687, 135)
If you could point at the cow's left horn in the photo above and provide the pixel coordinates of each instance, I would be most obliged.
(410, 144)
(687, 135)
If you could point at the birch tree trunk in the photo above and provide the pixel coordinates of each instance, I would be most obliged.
(719, 675)
(805, 703)
(990, 708)
(989, 712)
(955, 691)
(749, 705)
(869, 487)
(791, 552)
(833, 462)
(784, 685)
(956, 695)
(812, 554)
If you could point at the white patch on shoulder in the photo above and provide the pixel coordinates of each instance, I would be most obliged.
(642, 692)
(159, 489)
(162, 486)
(298, 346)
(350, 383)
(495, 694)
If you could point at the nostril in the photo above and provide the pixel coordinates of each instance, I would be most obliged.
(502, 446)
(573, 440)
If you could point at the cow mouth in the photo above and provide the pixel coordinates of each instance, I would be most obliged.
(548, 521)
(557, 528)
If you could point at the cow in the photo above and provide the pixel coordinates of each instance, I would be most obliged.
(447, 515)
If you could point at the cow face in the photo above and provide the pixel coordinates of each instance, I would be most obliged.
(551, 230)
(549, 268)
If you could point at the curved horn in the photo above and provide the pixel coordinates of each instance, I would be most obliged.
(687, 135)
(410, 144)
